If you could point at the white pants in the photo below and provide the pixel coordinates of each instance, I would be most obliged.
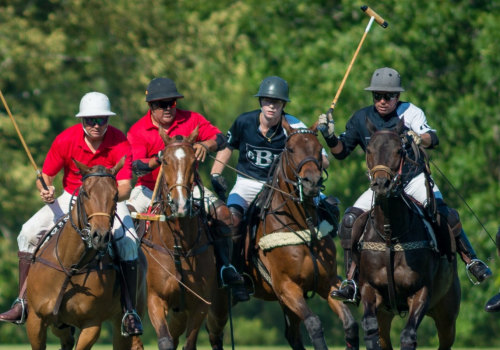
(244, 191)
(416, 189)
(48, 215)
(140, 198)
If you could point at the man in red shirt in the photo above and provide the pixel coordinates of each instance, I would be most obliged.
(144, 137)
(91, 142)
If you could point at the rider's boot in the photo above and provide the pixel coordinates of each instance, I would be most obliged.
(493, 305)
(18, 312)
(476, 267)
(131, 322)
(223, 246)
(348, 289)
(328, 213)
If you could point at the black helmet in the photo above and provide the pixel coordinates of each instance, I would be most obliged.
(385, 79)
(161, 88)
(274, 87)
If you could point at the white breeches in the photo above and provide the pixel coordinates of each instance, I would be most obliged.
(245, 190)
(140, 198)
(416, 189)
(49, 214)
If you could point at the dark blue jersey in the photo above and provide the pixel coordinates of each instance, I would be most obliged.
(256, 151)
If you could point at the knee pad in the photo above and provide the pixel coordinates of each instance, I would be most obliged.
(350, 216)
(223, 220)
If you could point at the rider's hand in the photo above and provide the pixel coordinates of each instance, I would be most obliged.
(413, 136)
(328, 129)
(219, 184)
(200, 151)
(48, 195)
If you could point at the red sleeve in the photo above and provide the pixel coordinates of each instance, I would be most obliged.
(206, 130)
(54, 160)
(125, 172)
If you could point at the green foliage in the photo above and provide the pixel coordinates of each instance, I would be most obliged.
(52, 52)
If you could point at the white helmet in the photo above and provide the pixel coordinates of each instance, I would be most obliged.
(94, 104)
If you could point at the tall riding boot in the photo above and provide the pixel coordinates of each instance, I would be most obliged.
(229, 276)
(18, 312)
(131, 322)
(348, 289)
(476, 267)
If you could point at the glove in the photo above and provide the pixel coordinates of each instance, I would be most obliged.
(414, 137)
(219, 184)
(327, 127)
(158, 157)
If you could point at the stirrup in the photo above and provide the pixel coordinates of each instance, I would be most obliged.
(222, 269)
(474, 280)
(128, 313)
(24, 313)
(347, 282)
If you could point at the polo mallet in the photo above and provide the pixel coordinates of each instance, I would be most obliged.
(148, 215)
(38, 172)
(373, 17)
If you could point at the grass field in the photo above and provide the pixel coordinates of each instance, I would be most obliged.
(227, 346)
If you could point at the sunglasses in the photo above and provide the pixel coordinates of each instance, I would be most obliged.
(93, 121)
(163, 104)
(377, 96)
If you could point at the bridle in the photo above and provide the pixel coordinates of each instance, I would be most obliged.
(288, 161)
(83, 227)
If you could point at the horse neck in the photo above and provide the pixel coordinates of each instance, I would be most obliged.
(69, 244)
(182, 232)
(392, 211)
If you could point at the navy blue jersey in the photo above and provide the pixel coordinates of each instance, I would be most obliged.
(257, 152)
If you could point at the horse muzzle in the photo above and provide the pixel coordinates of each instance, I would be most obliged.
(100, 239)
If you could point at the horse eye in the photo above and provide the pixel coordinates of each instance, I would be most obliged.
(289, 149)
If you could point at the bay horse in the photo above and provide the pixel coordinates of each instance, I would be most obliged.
(288, 257)
(181, 275)
(73, 281)
(399, 270)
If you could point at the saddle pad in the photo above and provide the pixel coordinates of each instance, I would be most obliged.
(281, 239)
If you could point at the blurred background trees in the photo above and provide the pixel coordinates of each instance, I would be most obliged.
(52, 52)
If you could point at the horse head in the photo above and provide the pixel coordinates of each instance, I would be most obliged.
(303, 159)
(96, 204)
(179, 169)
(384, 157)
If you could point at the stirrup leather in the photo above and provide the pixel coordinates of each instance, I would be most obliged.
(24, 313)
(347, 282)
(128, 313)
(473, 262)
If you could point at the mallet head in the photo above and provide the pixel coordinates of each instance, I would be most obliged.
(372, 13)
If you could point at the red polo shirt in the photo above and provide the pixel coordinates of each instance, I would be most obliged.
(71, 144)
(146, 141)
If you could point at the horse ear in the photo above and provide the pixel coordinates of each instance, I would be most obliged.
(286, 126)
(370, 126)
(315, 126)
(118, 166)
(400, 127)
(192, 138)
(166, 139)
(83, 168)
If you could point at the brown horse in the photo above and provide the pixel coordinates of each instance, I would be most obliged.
(288, 257)
(181, 265)
(399, 270)
(73, 282)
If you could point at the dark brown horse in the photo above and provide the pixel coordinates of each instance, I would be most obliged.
(73, 282)
(399, 271)
(181, 265)
(289, 257)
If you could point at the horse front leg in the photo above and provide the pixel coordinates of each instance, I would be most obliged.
(88, 336)
(217, 317)
(369, 321)
(351, 328)
(37, 331)
(291, 296)
(385, 320)
(292, 329)
(418, 304)
(157, 310)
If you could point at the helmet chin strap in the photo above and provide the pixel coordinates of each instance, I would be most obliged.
(86, 132)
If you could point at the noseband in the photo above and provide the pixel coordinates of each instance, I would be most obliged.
(83, 217)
